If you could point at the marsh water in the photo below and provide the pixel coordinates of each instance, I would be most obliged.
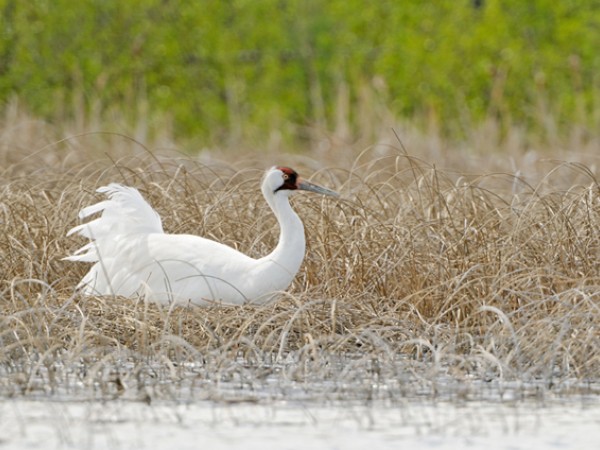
(292, 407)
(574, 423)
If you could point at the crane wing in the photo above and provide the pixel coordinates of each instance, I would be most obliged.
(124, 213)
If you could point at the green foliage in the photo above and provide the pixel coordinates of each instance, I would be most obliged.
(223, 69)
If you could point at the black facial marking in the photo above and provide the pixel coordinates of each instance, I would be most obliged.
(290, 178)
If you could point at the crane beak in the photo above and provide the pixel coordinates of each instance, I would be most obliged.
(308, 186)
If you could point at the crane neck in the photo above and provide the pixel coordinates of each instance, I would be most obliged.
(289, 252)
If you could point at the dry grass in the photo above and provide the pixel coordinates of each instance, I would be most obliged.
(417, 275)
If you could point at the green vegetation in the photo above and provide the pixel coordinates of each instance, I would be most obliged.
(226, 70)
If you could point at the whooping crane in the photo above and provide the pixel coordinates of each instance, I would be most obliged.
(132, 256)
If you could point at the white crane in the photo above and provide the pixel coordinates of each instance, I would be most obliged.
(133, 256)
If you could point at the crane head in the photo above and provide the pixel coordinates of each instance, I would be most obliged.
(286, 180)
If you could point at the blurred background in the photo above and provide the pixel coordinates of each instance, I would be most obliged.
(302, 74)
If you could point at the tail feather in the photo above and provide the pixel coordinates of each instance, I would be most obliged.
(125, 213)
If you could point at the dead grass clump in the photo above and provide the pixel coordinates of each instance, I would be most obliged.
(416, 273)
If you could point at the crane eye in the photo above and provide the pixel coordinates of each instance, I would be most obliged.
(286, 176)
